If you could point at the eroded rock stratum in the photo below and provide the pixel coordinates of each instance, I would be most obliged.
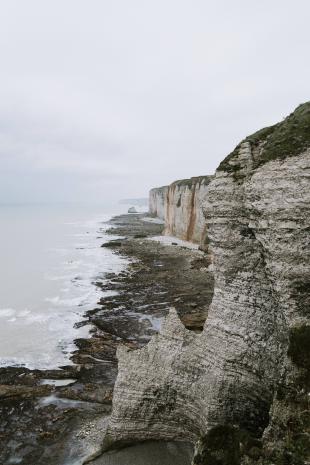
(180, 205)
(239, 389)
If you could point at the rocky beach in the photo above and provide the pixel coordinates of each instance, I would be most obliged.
(239, 390)
(59, 416)
(199, 350)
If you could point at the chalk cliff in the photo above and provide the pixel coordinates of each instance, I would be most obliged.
(158, 201)
(180, 205)
(239, 390)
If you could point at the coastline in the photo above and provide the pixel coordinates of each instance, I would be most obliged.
(61, 424)
(49, 261)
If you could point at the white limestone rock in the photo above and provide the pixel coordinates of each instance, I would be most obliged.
(180, 205)
(183, 385)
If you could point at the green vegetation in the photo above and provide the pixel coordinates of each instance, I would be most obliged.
(290, 137)
(183, 182)
(285, 139)
(293, 446)
(191, 181)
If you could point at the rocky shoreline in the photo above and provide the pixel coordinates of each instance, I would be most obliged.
(58, 416)
(239, 391)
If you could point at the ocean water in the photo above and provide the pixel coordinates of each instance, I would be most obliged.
(50, 257)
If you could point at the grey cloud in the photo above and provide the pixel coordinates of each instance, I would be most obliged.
(106, 98)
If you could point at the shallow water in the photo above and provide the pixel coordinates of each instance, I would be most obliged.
(58, 382)
(49, 258)
(149, 453)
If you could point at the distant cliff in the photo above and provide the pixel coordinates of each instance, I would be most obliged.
(238, 391)
(158, 201)
(180, 205)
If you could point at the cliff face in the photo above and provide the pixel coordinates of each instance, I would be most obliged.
(158, 201)
(180, 205)
(247, 374)
(184, 216)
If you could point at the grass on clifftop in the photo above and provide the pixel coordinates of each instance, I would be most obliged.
(288, 138)
(191, 181)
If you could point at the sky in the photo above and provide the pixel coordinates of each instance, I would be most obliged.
(105, 99)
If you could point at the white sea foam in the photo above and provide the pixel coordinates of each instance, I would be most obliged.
(6, 312)
(74, 301)
(56, 286)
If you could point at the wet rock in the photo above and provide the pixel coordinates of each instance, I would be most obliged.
(53, 421)
(23, 392)
(112, 244)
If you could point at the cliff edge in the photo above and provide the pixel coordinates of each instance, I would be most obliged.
(239, 390)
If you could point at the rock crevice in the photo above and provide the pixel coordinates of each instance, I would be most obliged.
(246, 374)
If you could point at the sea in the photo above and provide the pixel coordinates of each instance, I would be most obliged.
(50, 259)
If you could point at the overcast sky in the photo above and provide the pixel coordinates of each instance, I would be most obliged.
(110, 98)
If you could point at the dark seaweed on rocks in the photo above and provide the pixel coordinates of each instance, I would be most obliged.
(34, 431)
